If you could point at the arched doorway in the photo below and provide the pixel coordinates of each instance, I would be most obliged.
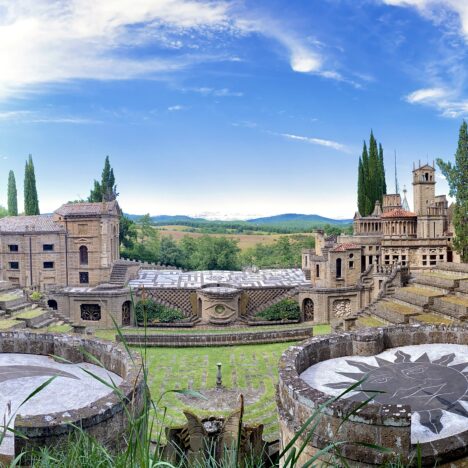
(126, 314)
(52, 304)
(308, 309)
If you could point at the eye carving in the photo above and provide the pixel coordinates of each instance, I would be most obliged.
(414, 371)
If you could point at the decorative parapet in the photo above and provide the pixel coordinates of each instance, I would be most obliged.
(385, 425)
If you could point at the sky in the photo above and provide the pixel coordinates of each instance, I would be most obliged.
(227, 109)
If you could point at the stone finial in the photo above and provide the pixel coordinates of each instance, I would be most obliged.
(219, 376)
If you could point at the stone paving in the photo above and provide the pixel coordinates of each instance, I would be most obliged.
(73, 388)
(242, 279)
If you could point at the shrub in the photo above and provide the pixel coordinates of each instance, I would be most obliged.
(156, 312)
(36, 296)
(287, 309)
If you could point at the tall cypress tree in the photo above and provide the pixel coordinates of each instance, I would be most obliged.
(382, 172)
(374, 181)
(457, 178)
(12, 195)
(31, 201)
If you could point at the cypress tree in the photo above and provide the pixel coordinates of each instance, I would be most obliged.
(382, 173)
(457, 178)
(366, 190)
(12, 195)
(106, 190)
(374, 180)
(31, 201)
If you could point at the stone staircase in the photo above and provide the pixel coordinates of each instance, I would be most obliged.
(436, 296)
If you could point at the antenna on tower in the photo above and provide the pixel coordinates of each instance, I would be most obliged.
(397, 188)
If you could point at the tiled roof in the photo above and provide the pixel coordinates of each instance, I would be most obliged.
(344, 247)
(39, 223)
(399, 213)
(88, 209)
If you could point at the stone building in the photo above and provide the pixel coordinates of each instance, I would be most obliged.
(75, 246)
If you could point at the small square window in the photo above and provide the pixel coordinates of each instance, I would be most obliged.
(47, 247)
(14, 265)
(13, 247)
(441, 257)
(84, 277)
(48, 265)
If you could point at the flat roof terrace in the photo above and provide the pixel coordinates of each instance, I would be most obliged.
(291, 277)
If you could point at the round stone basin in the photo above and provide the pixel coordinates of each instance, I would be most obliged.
(221, 290)
(73, 388)
(431, 378)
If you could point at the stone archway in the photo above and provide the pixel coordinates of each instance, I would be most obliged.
(126, 313)
(308, 309)
(52, 303)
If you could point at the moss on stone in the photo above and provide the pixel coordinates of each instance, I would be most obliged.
(433, 318)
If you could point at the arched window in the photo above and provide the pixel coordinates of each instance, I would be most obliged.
(308, 309)
(52, 304)
(338, 267)
(83, 255)
(317, 271)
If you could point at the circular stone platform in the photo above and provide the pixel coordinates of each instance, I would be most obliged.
(73, 398)
(414, 376)
(21, 374)
(431, 378)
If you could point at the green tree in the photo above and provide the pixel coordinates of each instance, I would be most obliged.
(31, 201)
(383, 182)
(170, 253)
(361, 188)
(106, 190)
(373, 182)
(457, 178)
(12, 195)
(127, 232)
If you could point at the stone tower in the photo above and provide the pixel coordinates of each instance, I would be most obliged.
(423, 188)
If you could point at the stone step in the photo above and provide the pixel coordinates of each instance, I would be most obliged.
(431, 318)
(45, 323)
(418, 296)
(389, 317)
(366, 322)
(452, 267)
(396, 312)
(454, 306)
(444, 282)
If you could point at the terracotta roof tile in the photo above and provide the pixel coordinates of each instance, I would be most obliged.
(39, 223)
(399, 213)
(88, 209)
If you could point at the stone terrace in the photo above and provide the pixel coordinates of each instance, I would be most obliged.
(240, 279)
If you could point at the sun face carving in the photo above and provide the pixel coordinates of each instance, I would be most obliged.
(429, 387)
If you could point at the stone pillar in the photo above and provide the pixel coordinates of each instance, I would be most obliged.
(368, 343)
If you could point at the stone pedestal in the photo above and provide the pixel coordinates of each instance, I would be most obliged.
(218, 305)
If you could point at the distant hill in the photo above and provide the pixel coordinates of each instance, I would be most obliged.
(295, 217)
(278, 220)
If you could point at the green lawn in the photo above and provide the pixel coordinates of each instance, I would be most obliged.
(248, 367)
(9, 297)
(6, 324)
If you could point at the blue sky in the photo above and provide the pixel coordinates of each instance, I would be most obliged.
(227, 108)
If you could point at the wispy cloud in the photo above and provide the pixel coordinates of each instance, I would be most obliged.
(316, 141)
(222, 92)
(440, 11)
(29, 116)
(177, 107)
(447, 102)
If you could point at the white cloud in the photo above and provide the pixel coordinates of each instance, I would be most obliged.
(434, 9)
(29, 116)
(447, 102)
(223, 92)
(176, 108)
(317, 141)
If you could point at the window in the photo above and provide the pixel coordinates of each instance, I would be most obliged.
(83, 255)
(13, 247)
(47, 247)
(14, 265)
(370, 248)
(48, 265)
(351, 265)
(84, 277)
(338, 267)
(317, 271)
(90, 312)
(351, 255)
(441, 257)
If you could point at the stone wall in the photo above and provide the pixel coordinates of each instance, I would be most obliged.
(220, 339)
(107, 418)
(384, 425)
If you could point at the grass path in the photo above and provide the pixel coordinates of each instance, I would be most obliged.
(248, 367)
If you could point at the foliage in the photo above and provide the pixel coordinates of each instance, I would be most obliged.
(214, 253)
(106, 190)
(371, 177)
(287, 309)
(3, 212)
(36, 296)
(12, 195)
(31, 201)
(149, 311)
(285, 252)
(127, 232)
(457, 178)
